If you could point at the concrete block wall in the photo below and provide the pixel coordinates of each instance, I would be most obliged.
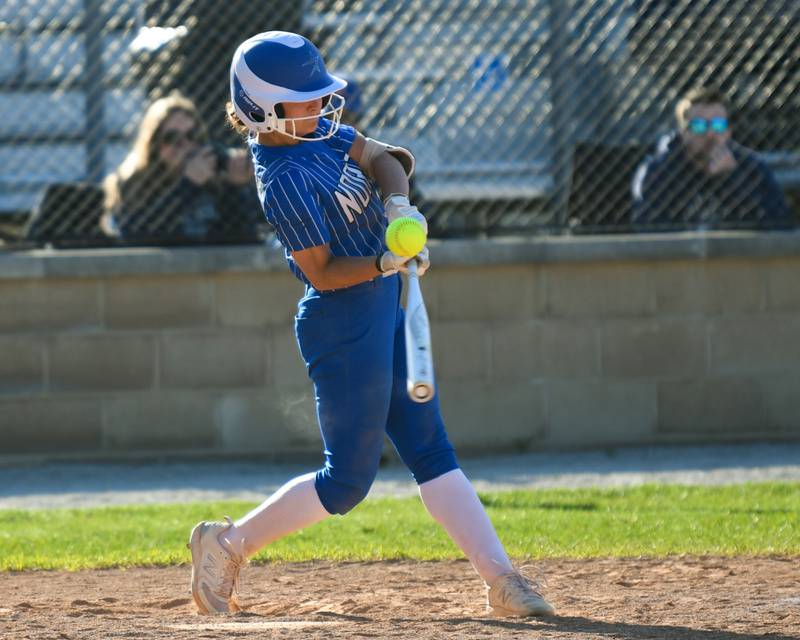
(541, 343)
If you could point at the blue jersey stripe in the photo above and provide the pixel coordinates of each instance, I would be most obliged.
(325, 167)
(293, 214)
(313, 193)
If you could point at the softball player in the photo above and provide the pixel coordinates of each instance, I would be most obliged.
(319, 184)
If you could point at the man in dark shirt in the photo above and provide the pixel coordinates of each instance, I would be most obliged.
(700, 178)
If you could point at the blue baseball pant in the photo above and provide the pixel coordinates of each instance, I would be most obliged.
(353, 344)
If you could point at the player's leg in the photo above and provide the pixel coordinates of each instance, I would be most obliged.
(346, 344)
(453, 502)
(350, 415)
(418, 433)
(220, 549)
(343, 341)
(294, 506)
(352, 374)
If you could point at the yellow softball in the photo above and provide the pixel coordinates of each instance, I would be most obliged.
(405, 237)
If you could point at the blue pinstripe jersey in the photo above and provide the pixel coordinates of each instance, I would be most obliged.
(313, 193)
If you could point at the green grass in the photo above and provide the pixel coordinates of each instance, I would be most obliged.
(750, 519)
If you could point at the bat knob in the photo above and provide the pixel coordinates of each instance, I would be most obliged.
(421, 392)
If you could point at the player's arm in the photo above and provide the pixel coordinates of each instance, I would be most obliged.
(385, 168)
(390, 167)
(303, 231)
(326, 271)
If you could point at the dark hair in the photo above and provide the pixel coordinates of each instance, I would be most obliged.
(698, 95)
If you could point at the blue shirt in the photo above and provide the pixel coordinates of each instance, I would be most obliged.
(313, 193)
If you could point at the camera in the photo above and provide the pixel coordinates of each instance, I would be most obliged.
(223, 159)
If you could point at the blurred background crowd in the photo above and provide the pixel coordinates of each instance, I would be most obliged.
(525, 116)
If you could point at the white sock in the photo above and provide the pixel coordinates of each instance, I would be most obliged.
(453, 503)
(294, 506)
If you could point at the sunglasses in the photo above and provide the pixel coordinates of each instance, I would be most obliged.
(174, 136)
(700, 126)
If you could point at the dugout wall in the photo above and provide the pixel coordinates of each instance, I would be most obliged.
(538, 343)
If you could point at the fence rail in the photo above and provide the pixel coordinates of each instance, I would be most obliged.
(526, 116)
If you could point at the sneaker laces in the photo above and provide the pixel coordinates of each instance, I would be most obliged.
(539, 585)
(523, 580)
(232, 570)
(517, 580)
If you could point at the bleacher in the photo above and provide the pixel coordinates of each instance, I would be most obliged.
(457, 68)
(61, 64)
(442, 88)
(515, 124)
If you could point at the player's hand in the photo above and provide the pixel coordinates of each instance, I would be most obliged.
(423, 261)
(391, 263)
(398, 206)
(721, 160)
(201, 166)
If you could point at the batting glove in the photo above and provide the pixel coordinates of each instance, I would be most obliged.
(389, 263)
(398, 206)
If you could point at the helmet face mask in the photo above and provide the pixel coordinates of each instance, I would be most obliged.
(332, 109)
(276, 67)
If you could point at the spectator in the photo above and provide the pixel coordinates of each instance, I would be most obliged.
(175, 185)
(700, 177)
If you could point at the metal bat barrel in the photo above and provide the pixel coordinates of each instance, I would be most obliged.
(419, 358)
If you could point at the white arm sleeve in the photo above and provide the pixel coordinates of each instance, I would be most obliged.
(373, 148)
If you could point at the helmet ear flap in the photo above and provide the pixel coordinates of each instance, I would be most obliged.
(272, 118)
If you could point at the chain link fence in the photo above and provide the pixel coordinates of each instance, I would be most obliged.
(526, 116)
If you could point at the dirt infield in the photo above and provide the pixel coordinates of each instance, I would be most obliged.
(687, 598)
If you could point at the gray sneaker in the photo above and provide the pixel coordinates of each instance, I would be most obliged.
(215, 569)
(513, 594)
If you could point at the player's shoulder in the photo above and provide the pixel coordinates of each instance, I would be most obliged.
(341, 139)
(287, 172)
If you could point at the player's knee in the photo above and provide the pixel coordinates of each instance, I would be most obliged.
(346, 498)
(434, 464)
(340, 495)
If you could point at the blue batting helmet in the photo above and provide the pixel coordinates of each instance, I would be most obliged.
(275, 67)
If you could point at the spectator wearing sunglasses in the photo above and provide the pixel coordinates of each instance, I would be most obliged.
(700, 178)
(175, 186)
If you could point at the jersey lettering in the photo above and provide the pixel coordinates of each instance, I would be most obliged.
(356, 191)
(349, 205)
(318, 194)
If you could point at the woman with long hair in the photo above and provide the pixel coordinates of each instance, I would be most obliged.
(173, 183)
